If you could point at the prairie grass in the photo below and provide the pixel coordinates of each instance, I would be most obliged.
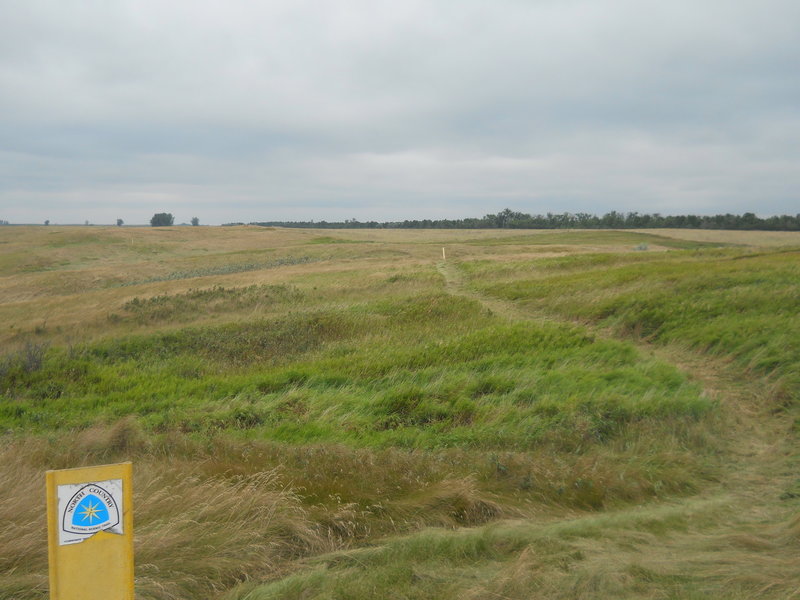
(737, 238)
(185, 306)
(351, 425)
(206, 532)
(733, 303)
(617, 555)
(214, 512)
(595, 238)
(227, 269)
(420, 372)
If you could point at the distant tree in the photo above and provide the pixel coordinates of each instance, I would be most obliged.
(162, 220)
(517, 220)
(120, 222)
(87, 221)
(195, 221)
(47, 221)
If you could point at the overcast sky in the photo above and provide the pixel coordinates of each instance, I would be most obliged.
(239, 110)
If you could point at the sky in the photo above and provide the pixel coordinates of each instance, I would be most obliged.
(287, 110)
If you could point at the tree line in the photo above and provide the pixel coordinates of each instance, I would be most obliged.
(509, 219)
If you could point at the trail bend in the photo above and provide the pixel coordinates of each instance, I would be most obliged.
(759, 540)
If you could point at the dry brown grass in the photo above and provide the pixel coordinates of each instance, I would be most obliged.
(744, 238)
(64, 282)
(196, 534)
(23, 546)
(71, 278)
(683, 551)
(214, 513)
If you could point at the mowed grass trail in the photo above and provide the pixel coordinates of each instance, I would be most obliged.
(737, 303)
(341, 414)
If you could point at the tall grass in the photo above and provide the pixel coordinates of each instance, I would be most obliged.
(408, 372)
(591, 238)
(226, 269)
(627, 555)
(352, 430)
(213, 512)
(738, 304)
(171, 308)
(195, 534)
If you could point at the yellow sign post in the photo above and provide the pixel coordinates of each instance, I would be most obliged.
(90, 533)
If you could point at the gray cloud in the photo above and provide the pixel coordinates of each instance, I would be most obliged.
(384, 110)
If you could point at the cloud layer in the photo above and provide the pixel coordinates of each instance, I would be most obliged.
(240, 111)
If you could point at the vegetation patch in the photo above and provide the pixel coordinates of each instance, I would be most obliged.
(627, 238)
(737, 303)
(410, 372)
(389, 425)
(227, 269)
(327, 239)
(216, 300)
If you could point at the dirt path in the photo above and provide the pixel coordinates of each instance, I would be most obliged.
(454, 284)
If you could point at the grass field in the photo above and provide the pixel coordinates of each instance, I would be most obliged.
(344, 414)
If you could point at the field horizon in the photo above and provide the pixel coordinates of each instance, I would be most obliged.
(412, 413)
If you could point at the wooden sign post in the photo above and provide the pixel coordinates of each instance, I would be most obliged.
(90, 533)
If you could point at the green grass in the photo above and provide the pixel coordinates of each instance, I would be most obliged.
(602, 238)
(172, 308)
(520, 561)
(226, 269)
(327, 239)
(356, 426)
(736, 304)
(419, 372)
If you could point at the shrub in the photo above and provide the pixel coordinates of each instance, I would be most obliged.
(162, 220)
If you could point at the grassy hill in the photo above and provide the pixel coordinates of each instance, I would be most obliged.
(581, 414)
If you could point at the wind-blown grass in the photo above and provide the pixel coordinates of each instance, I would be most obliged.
(171, 308)
(357, 427)
(738, 304)
(589, 558)
(391, 373)
(213, 512)
(590, 238)
(207, 532)
(225, 269)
